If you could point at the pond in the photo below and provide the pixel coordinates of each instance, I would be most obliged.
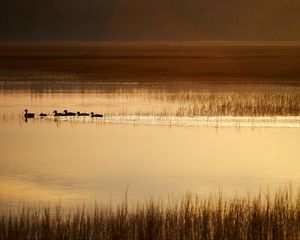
(79, 159)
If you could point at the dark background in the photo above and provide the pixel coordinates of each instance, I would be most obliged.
(149, 20)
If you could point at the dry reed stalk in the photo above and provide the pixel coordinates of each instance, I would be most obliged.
(241, 218)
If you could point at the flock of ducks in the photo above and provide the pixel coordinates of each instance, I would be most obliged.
(65, 113)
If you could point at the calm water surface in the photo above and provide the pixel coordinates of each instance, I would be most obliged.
(75, 161)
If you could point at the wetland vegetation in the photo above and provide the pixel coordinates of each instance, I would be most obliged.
(172, 80)
(221, 104)
(264, 216)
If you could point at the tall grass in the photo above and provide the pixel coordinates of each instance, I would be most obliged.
(231, 104)
(259, 217)
(195, 103)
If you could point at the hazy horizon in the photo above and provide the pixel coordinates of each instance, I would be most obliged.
(140, 20)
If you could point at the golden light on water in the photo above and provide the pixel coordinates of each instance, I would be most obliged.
(83, 160)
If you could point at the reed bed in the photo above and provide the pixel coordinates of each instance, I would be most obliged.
(206, 104)
(260, 217)
(233, 104)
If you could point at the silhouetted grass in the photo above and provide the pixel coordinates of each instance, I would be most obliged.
(260, 217)
(234, 104)
(208, 104)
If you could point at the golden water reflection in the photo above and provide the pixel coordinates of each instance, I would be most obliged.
(90, 161)
(84, 161)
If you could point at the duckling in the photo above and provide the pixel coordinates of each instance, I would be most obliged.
(82, 114)
(43, 115)
(96, 115)
(28, 115)
(56, 114)
(69, 113)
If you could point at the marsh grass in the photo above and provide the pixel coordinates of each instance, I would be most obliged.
(206, 104)
(233, 104)
(260, 217)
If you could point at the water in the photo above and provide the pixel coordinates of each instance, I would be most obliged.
(75, 160)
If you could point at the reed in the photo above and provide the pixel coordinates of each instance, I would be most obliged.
(206, 104)
(259, 217)
(231, 104)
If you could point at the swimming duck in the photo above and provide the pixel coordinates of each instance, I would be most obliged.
(43, 115)
(96, 115)
(56, 114)
(82, 114)
(69, 113)
(28, 115)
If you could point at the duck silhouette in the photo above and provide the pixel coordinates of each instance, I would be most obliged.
(28, 115)
(69, 113)
(56, 114)
(82, 114)
(96, 115)
(43, 115)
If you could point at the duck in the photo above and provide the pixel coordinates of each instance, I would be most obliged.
(82, 114)
(96, 115)
(28, 115)
(43, 115)
(56, 114)
(69, 113)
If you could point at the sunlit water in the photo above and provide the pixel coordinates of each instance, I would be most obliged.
(76, 159)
